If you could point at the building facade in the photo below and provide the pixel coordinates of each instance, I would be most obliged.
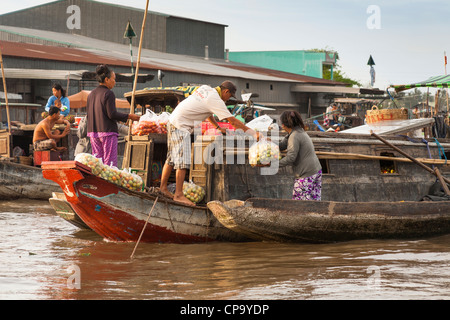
(108, 22)
(47, 43)
(303, 62)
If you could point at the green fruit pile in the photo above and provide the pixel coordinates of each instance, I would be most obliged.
(70, 118)
(193, 192)
(263, 152)
(121, 178)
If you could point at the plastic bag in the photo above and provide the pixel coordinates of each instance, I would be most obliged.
(261, 123)
(193, 192)
(263, 152)
(161, 121)
(96, 164)
(130, 180)
(150, 122)
(145, 125)
(112, 174)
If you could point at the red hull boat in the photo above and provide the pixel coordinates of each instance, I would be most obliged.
(119, 214)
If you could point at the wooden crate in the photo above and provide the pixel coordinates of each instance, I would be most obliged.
(141, 152)
(5, 144)
(200, 171)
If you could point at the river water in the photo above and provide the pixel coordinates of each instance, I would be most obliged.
(43, 257)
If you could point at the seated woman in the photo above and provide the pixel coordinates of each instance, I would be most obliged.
(59, 100)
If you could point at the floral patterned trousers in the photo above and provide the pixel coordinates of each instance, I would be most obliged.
(309, 188)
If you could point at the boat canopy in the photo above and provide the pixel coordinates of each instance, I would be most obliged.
(433, 82)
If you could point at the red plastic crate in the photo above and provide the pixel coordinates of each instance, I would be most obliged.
(209, 129)
(48, 155)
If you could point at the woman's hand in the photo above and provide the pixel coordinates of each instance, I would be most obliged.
(134, 117)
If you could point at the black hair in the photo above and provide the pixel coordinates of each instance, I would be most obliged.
(102, 72)
(292, 119)
(53, 110)
(57, 86)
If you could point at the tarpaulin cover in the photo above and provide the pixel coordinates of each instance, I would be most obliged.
(433, 82)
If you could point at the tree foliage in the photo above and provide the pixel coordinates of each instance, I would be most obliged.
(338, 74)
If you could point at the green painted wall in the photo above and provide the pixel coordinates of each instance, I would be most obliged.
(301, 62)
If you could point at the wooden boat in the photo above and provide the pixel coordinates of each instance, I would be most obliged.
(118, 214)
(24, 181)
(352, 166)
(64, 209)
(331, 221)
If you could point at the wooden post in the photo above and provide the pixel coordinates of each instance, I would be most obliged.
(6, 93)
(135, 80)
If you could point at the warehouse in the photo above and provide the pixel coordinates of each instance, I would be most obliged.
(46, 50)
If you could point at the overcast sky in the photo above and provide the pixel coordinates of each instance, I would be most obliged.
(406, 38)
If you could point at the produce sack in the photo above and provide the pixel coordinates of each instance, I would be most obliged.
(148, 123)
(263, 152)
(112, 174)
(161, 121)
(261, 123)
(193, 192)
(96, 164)
(130, 180)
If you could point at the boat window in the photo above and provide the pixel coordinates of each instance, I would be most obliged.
(325, 167)
(388, 166)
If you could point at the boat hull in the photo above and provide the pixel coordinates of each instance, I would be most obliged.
(63, 209)
(21, 181)
(118, 214)
(329, 221)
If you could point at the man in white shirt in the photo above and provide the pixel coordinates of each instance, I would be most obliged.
(202, 104)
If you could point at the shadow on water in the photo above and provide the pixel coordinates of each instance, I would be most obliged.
(45, 257)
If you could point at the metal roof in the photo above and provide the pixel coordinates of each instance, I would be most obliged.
(75, 48)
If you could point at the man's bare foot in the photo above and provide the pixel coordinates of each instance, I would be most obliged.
(166, 193)
(60, 148)
(183, 200)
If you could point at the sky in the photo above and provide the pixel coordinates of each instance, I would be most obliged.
(406, 38)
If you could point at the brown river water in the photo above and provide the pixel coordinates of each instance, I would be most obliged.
(43, 257)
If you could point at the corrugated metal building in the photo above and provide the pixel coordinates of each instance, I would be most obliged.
(165, 33)
(60, 54)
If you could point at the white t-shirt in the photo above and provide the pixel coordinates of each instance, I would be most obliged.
(196, 108)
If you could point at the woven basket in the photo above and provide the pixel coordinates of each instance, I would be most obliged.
(400, 114)
(372, 115)
(376, 115)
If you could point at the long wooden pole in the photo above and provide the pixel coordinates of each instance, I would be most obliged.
(409, 157)
(6, 93)
(136, 75)
(145, 225)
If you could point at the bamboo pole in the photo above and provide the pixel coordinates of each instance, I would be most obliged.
(136, 75)
(357, 156)
(145, 225)
(347, 156)
(6, 93)
(442, 181)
